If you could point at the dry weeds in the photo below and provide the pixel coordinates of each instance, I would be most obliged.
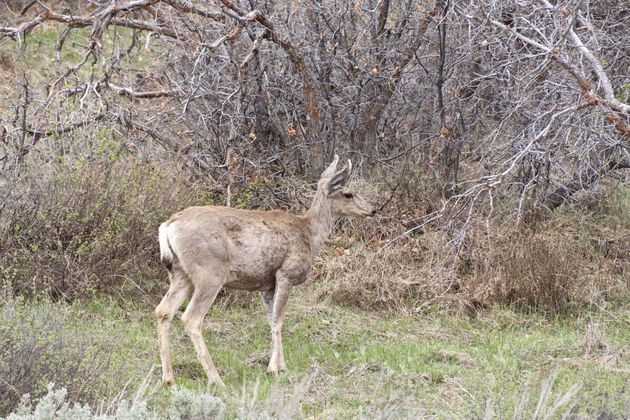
(554, 264)
(593, 340)
(536, 271)
(398, 279)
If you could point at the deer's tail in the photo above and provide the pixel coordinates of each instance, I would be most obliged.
(167, 256)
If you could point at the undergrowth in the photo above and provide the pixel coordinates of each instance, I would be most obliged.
(87, 223)
(573, 259)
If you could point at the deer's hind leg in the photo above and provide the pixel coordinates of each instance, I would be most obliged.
(179, 290)
(203, 297)
(267, 297)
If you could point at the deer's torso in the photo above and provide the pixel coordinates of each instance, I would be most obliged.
(246, 248)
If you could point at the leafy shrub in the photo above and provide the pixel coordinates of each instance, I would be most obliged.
(88, 223)
(187, 404)
(53, 405)
(184, 404)
(38, 345)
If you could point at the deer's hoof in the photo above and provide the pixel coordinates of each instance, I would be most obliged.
(215, 382)
(275, 370)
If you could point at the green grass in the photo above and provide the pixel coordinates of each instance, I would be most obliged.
(362, 364)
(43, 41)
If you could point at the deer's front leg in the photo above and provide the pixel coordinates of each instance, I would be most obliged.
(280, 297)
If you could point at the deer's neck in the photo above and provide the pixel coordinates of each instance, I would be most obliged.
(320, 221)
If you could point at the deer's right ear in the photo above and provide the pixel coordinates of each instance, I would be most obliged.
(340, 179)
(330, 171)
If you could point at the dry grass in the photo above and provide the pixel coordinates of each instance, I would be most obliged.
(594, 340)
(530, 271)
(403, 278)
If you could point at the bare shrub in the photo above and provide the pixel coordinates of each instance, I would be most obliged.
(39, 344)
(572, 260)
(530, 273)
(554, 263)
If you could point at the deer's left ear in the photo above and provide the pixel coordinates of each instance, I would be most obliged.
(340, 179)
(330, 171)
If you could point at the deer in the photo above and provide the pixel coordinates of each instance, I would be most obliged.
(207, 248)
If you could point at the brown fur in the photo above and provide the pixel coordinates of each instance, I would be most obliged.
(207, 248)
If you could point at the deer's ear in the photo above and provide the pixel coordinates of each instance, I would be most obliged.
(340, 179)
(330, 171)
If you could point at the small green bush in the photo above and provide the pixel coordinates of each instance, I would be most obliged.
(184, 405)
(53, 405)
(187, 404)
(88, 223)
(39, 344)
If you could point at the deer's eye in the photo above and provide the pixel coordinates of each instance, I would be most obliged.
(347, 195)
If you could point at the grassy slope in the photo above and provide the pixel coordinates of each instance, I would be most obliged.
(359, 363)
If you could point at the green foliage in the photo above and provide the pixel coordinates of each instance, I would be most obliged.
(248, 195)
(53, 406)
(39, 344)
(188, 404)
(34, 49)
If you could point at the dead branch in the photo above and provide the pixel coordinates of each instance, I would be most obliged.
(84, 21)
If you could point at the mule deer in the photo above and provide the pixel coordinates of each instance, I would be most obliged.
(207, 248)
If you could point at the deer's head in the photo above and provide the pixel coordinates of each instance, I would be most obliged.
(343, 202)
